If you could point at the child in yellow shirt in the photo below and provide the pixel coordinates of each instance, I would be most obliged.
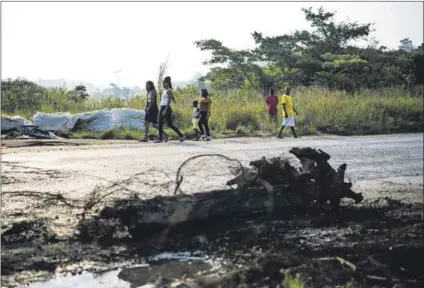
(205, 112)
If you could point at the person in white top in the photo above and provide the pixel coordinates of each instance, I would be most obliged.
(151, 111)
(165, 113)
(195, 120)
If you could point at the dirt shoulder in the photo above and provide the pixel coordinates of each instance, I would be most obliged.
(71, 144)
(378, 242)
(21, 143)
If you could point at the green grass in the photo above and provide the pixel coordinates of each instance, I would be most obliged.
(292, 281)
(322, 110)
(295, 281)
(244, 113)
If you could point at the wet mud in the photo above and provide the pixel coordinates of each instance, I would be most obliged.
(377, 243)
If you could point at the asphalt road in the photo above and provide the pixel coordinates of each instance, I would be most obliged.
(79, 169)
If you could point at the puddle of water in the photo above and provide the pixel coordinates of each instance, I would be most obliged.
(86, 279)
(182, 256)
(164, 272)
(167, 265)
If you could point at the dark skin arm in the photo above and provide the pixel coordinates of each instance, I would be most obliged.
(149, 104)
(171, 94)
(171, 98)
(147, 107)
(285, 111)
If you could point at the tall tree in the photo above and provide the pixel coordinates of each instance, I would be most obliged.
(79, 93)
(304, 51)
(298, 56)
(326, 54)
(406, 45)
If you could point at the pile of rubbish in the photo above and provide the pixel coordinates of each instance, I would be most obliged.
(17, 126)
(13, 123)
(267, 186)
(45, 125)
(315, 181)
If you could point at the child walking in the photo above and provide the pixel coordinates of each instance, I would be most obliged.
(205, 113)
(195, 121)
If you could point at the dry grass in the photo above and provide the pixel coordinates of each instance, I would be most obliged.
(244, 112)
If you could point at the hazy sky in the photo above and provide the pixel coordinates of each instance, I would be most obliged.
(88, 41)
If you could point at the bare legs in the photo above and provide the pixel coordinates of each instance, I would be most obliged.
(146, 131)
(292, 130)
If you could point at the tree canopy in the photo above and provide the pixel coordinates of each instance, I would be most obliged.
(326, 54)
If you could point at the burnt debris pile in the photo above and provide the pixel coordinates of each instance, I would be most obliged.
(316, 182)
(267, 187)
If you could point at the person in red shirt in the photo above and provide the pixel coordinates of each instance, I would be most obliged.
(271, 101)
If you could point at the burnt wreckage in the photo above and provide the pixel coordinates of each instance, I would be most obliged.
(316, 181)
(267, 186)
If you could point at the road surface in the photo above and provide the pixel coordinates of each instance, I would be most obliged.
(77, 169)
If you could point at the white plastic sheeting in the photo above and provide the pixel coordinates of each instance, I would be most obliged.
(99, 120)
(51, 122)
(14, 122)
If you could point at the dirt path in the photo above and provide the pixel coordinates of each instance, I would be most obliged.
(380, 166)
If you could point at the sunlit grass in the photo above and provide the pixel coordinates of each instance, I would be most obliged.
(244, 113)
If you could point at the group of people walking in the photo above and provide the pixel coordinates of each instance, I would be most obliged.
(158, 116)
(201, 113)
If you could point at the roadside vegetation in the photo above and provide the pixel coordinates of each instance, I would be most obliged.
(243, 113)
(339, 87)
